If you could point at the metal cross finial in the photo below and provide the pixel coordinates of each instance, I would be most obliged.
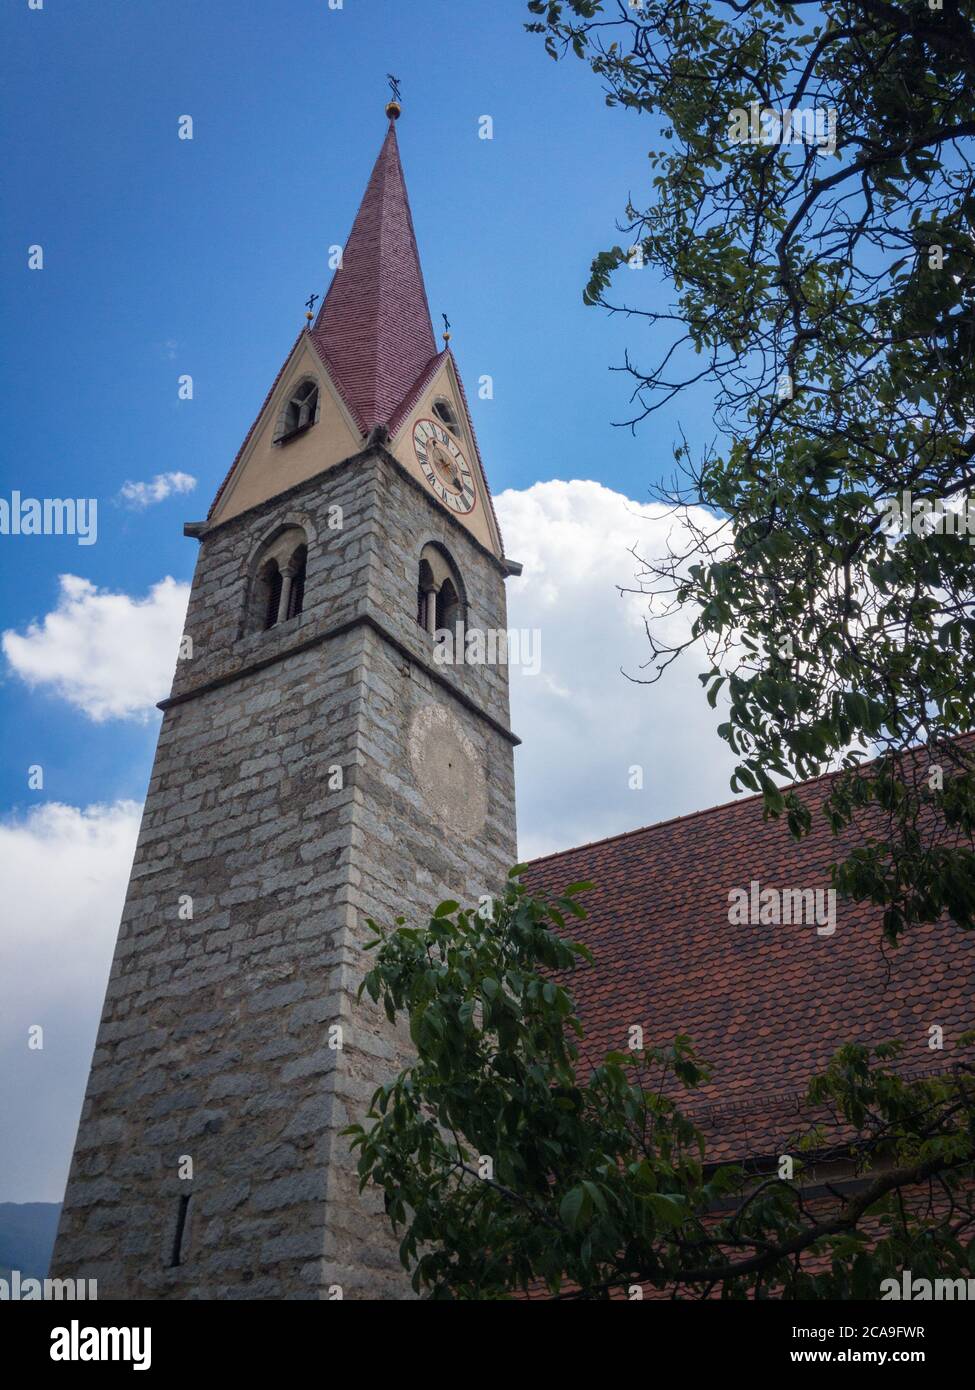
(310, 303)
(446, 328)
(393, 85)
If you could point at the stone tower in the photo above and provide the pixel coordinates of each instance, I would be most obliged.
(317, 765)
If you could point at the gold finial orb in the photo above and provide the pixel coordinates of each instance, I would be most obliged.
(393, 110)
(309, 317)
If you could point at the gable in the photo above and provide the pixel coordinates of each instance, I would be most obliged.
(443, 384)
(265, 467)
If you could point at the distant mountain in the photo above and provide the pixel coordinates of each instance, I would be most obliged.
(27, 1231)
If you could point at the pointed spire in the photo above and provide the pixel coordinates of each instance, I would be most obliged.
(374, 328)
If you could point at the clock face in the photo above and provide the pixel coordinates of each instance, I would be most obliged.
(444, 466)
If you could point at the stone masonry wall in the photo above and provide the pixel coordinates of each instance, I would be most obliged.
(213, 1037)
(214, 1042)
(405, 860)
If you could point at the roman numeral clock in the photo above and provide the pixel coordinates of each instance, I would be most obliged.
(444, 466)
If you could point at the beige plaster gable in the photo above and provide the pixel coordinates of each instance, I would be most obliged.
(444, 385)
(265, 468)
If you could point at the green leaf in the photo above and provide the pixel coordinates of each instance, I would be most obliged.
(668, 1210)
(575, 1207)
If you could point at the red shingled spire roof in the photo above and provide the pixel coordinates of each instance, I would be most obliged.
(373, 329)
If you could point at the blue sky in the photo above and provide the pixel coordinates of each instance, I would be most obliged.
(165, 256)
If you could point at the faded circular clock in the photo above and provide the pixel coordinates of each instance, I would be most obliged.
(448, 770)
(444, 466)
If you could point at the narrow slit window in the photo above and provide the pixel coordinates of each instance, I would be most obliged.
(179, 1233)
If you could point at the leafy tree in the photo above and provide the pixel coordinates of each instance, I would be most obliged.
(811, 206)
(509, 1162)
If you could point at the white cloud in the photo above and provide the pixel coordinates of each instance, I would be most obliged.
(108, 654)
(583, 724)
(64, 872)
(138, 496)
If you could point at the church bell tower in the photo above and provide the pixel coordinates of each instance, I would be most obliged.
(317, 764)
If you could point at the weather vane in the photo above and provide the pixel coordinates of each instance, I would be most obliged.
(393, 107)
(310, 303)
(446, 328)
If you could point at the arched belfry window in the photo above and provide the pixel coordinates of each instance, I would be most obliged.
(299, 412)
(277, 591)
(440, 598)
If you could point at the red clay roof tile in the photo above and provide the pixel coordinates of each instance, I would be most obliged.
(766, 1006)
